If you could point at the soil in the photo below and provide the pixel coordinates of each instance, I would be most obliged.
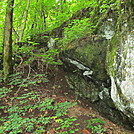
(58, 89)
(84, 109)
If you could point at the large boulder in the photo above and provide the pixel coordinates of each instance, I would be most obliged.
(100, 66)
(85, 67)
(104, 58)
(120, 64)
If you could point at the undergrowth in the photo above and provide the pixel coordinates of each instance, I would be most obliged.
(20, 109)
(28, 112)
(24, 109)
(96, 125)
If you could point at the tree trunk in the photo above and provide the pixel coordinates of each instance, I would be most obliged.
(7, 45)
(44, 17)
(25, 20)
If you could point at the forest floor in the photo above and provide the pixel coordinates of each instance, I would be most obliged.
(84, 110)
(58, 89)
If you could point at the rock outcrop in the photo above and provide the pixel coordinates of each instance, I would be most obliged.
(100, 67)
(120, 64)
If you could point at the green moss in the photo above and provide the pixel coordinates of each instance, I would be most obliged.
(111, 54)
(82, 87)
(93, 54)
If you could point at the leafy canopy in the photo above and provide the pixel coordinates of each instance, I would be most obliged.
(45, 15)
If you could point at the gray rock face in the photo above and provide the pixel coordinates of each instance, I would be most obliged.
(85, 67)
(121, 72)
(120, 64)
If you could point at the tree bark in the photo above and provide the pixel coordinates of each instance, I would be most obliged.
(7, 44)
(25, 20)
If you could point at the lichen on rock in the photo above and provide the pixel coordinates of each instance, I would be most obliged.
(121, 71)
(120, 65)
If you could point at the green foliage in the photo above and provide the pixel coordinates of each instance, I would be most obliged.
(96, 125)
(50, 15)
(3, 5)
(31, 52)
(4, 91)
(17, 80)
(18, 120)
(0, 49)
(43, 17)
(77, 29)
(109, 4)
(49, 57)
(19, 110)
(1, 76)
(83, 27)
(67, 123)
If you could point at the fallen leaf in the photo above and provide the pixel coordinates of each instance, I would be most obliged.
(40, 115)
(52, 131)
(30, 110)
(53, 95)
(25, 89)
(12, 86)
(85, 131)
(8, 121)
